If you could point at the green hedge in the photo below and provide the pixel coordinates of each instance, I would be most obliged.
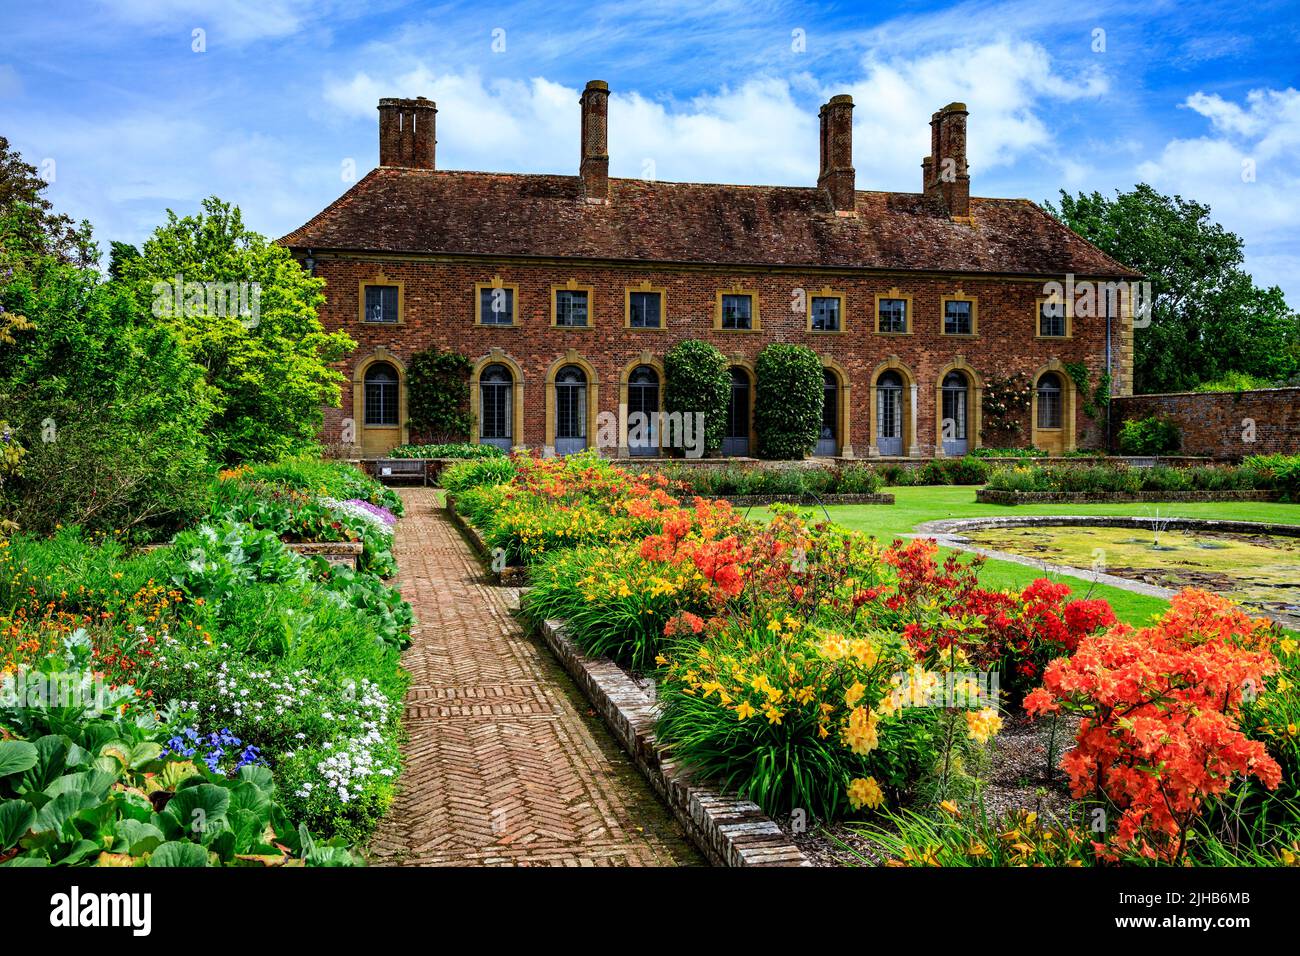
(1149, 436)
(451, 450)
(697, 380)
(788, 407)
(1122, 478)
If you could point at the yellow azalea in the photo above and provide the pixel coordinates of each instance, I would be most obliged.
(854, 694)
(860, 734)
(745, 711)
(865, 792)
(983, 725)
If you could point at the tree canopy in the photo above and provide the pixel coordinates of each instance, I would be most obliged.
(1208, 318)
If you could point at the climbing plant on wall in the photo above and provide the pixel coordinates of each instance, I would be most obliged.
(437, 396)
(1007, 401)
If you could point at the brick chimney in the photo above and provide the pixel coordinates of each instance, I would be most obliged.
(837, 175)
(944, 173)
(595, 141)
(406, 132)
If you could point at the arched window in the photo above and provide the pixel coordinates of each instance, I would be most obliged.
(570, 410)
(952, 427)
(496, 406)
(381, 395)
(1049, 400)
(736, 441)
(889, 413)
(643, 411)
(828, 441)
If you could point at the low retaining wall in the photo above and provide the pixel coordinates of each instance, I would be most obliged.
(729, 831)
(1222, 424)
(991, 496)
(511, 575)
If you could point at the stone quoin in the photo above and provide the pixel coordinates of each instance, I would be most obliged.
(565, 291)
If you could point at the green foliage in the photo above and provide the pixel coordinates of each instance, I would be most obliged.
(1095, 400)
(736, 480)
(696, 379)
(1208, 316)
(110, 410)
(967, 470)
(1234, 382)
(788, 407)
(437, 395)
(451, 450)
(335, 479)
(1280, 472)
(269, 372)
(1149, 436)
(1121, 478)
(477, 473)
(30, 231)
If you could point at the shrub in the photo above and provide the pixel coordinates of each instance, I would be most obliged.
(437, 396)
(696, 379)
(453, 450)
(788, 406)
(1149, 436)
(475, 473)
(334, 479)
(1281, 472)
(1161, 733)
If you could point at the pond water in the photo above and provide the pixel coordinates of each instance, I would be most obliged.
(1257, 569)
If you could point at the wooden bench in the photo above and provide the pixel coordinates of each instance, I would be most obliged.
(402, 469)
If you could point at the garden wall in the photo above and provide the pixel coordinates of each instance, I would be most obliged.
(1227, 425)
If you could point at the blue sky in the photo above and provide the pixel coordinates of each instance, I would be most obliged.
(276, 112)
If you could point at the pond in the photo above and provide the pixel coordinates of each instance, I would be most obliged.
(1261, 570)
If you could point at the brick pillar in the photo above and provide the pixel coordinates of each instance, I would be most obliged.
(947, 174)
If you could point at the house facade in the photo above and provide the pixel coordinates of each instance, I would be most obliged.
(566, 292)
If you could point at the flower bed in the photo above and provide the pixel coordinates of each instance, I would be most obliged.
(1275, 474)
(807, 668)
(223, 670)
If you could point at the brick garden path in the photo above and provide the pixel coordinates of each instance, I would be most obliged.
(506, 764)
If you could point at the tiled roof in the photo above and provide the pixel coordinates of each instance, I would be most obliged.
(467, 213)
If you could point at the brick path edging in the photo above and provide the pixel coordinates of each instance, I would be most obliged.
(729, 831)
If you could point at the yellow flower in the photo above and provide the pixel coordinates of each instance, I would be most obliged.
(865, 792)
(773, 715)
(983, 725)
(745, 711)
(854, 694)
(1288, 645)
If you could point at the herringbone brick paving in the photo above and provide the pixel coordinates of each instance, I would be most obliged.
(506, 764)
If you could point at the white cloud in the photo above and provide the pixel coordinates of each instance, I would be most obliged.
(1244, 171)
(240, 21)
(761, 131)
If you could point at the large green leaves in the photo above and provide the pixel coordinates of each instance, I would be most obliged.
(16, 818)
(179, 854)
(16, 756)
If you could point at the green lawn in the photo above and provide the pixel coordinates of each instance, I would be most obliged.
(915, 505)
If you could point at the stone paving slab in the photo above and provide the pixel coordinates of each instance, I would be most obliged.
(506, 764)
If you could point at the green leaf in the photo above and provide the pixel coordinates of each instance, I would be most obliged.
(178, 854)
(51, 761)
(16, 756)
(138, 838)
(258, 776)
(16, 818)
(200, 809)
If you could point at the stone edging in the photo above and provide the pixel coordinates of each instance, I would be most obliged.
(728, 830)
(513, 575)
(990, 496)
(955, 526)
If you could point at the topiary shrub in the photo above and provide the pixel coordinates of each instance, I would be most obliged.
(788, 408)
(437, 395)
(1149, 436)
(697, 380)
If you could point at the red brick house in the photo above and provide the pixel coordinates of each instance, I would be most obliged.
(566, 291)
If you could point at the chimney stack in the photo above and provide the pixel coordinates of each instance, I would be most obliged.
(595, 141)
(945, 175)
(837, 175)
(406, 132)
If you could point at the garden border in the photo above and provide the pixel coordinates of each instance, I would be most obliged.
(951, 527)
(993, 496)
(758, 501)
(728, 831)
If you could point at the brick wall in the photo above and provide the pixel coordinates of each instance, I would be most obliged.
(439, 311)
(1223, 424)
